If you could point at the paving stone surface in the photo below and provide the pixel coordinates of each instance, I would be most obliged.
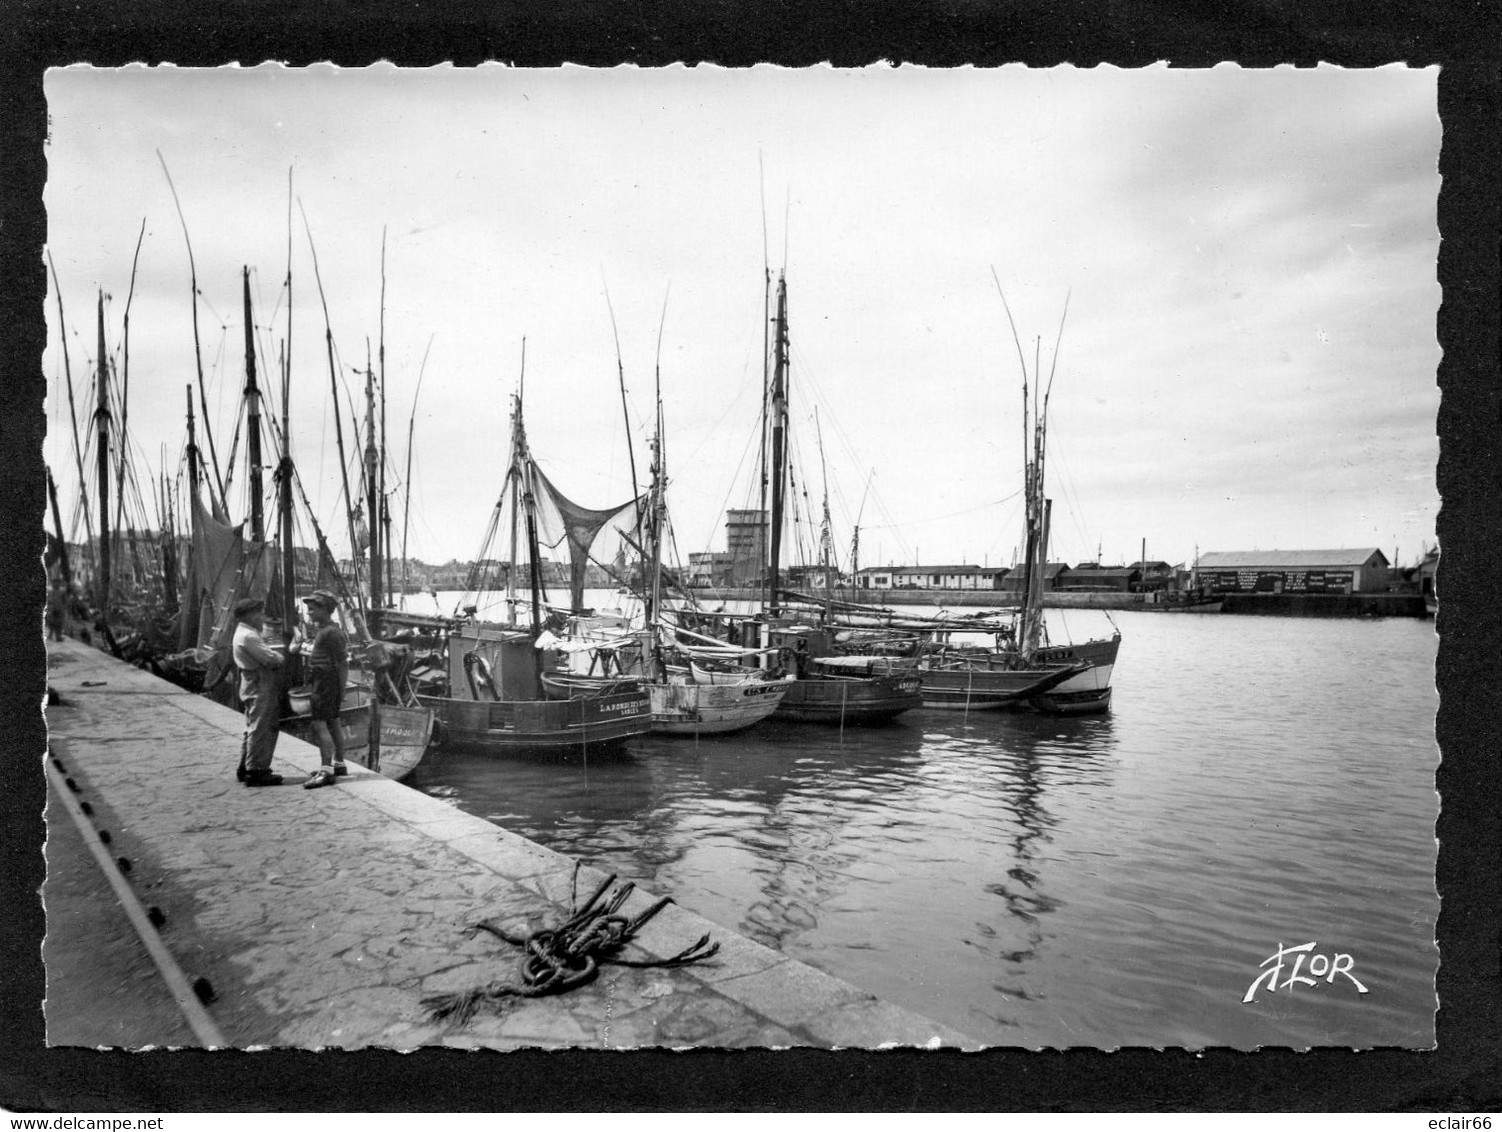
(321, 918)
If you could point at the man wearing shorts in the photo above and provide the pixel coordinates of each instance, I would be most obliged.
(328, 668)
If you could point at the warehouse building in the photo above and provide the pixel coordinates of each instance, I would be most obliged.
(1345, 571)
(1089, 577)
(931, 577)
(1055, 577)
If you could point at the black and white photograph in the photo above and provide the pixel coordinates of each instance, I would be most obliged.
(880, 559)
(741, 558)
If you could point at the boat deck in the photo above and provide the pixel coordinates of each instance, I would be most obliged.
(309, 918)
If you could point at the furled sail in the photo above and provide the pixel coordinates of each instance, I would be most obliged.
(224, 567)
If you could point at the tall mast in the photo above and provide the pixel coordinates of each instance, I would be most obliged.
(826, 530)
(197, 349)
(171, 599)
(62, 328)
(650, 588)
(523, 471)
(620, 370)
(125, 385)
(192, 458)
(514, 478)
(284, 465)
(283, 479)
(253, 411)
(102, 420)
(57, 523)
(385, 516)
(653, 591)
(766, 322)
(407, 478)
(779, 440)
(1035, 602)
(372, 501)
(328, 342)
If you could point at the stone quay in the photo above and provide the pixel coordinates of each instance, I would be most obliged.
(184, 909)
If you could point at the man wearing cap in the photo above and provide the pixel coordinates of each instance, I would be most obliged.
(328, 671)
(260, 680)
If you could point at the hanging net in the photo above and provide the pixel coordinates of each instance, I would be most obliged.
(581, 526)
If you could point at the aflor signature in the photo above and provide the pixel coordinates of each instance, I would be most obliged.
(1320, 967)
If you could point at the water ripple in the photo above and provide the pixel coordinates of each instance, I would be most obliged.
(1102, 881)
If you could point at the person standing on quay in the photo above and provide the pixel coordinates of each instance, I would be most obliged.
(57, 611)
(260, 682)
(328, 665)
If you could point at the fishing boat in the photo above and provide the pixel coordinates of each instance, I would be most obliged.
(382, 726)
(1186, 602)
(388, 738)
(1088, 691)
(1196, 598)
(500, 687)
(686, 698)
(1021, 666)
(490, 699)
(620, 650)
(829, 687)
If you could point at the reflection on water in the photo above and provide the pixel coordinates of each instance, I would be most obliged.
(1090, 881)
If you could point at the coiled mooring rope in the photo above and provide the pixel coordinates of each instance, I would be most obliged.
(559, 959)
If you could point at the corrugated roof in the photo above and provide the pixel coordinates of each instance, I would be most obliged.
(1286, 559)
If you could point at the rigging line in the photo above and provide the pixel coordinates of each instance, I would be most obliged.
(1057, 342)
(197, 351)
(731, 406)
(620, 368)
(746, 453)
(1066, 479)
(949, 515)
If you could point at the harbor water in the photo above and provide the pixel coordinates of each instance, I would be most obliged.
(1116, 880)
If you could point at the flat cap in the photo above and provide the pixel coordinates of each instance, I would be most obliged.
(323, 598)
(248, 605)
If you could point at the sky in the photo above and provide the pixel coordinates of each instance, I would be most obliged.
(1248, 258)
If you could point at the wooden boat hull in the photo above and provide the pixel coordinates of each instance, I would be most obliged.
(973, 688)
(405, 733)
(1206, 605)
(852, 701)
(1089, 691)
(569, 686)
(525, 726)
(713, 709)
(703, 674)
(1087, 702)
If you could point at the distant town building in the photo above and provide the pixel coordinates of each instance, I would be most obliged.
(746, 541)
(709, 568)
(1426, 573)
(1344, 571)
(1055, 577)
(1156, 575)
(1102, 579)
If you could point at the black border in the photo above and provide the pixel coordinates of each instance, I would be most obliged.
(1461, 1076)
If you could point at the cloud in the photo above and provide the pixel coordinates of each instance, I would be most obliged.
(1250, 257)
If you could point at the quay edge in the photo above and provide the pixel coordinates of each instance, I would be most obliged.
(322, 918)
